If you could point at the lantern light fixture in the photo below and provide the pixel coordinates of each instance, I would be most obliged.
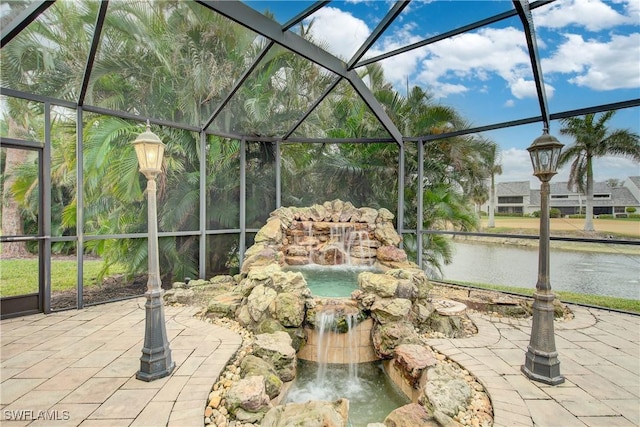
(150, 152)
(156, 361)
(545, 153)
(541, 360)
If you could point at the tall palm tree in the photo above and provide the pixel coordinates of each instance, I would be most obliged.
(592, 138)
(14, 160)
(453, 167)
(144, 50)
(494, 168)
(171, 61)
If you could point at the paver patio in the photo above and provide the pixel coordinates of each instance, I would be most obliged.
(79, 367)
(599, 354)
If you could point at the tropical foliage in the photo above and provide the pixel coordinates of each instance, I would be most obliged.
(175, 63)
(593, 139)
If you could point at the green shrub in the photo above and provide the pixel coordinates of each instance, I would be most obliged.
(578, 216)
(553, 213)
(630, 210)
(634, 215)
(605, 216)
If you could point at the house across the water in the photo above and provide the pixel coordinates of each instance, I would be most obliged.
(608, 199)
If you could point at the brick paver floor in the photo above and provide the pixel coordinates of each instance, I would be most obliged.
(599, 353)
(79, 368)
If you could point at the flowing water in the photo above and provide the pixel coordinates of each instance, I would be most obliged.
(605, 274)
(371, 394)
(371, 398)
(325, 323)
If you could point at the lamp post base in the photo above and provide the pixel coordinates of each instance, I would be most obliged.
(541, 361)
(154, 370)
(155, 361)
(542, 367)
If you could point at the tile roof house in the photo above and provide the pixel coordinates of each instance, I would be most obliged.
(517, 198)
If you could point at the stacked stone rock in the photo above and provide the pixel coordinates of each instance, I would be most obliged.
(316, 234)
(276, 305)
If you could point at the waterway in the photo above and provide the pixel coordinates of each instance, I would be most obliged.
(595, 273)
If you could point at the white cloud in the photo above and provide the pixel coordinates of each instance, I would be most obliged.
(614, 167)
(522, 88)
(339, 32)
(473, 57)
(516, 166)
(477, 57)
(598, 65)
(594, 15)
(399, 67)
(453, 65)
(632, 8)
(471, 62)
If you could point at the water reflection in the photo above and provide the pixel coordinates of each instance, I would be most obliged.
(616, 275)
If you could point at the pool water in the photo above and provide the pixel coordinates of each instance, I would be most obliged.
(335, 281)
(372, 395)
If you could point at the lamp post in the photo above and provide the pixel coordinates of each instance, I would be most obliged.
(155, 361)
(541, 362)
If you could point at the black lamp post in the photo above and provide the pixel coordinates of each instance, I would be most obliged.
(541, 362)
(155, 361)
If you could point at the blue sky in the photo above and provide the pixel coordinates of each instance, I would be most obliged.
(590, 52)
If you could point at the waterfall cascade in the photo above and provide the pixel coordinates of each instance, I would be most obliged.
(322, 243)
(337, 374)
(326, 325)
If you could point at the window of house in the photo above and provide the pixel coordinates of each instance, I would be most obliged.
(510, 199)
(510, 210)
(602, 196)
(559, 196)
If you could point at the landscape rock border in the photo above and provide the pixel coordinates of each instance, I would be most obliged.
(271, 305)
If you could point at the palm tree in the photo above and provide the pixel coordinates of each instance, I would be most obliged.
(173, 62)
(144, 50)
(494, 168)
(453, 167)
(593, 139)
(14, 160)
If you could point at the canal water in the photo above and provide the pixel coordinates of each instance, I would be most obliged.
(595, 273)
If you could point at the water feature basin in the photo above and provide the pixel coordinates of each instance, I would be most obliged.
(372, 395)
(335, 281)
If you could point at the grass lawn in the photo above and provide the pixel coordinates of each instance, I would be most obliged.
(20, 276)
(620, 228)
(623, 304)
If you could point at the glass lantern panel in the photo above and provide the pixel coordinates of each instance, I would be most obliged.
(555, 153)
(534, 161)
(544, 158)
(141, 155)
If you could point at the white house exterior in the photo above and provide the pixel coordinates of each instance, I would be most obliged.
(519, 199)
